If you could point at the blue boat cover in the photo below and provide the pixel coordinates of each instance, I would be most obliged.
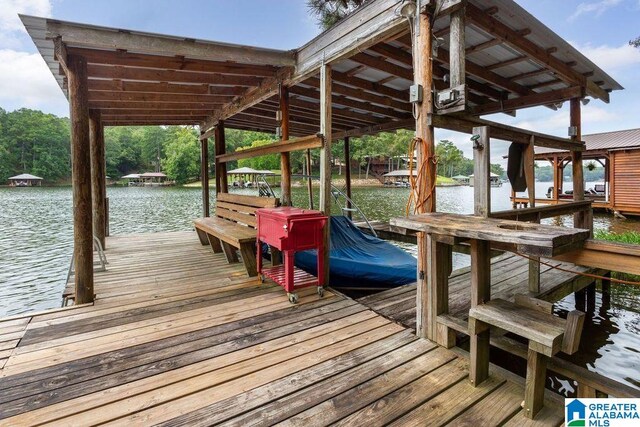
(361, 260)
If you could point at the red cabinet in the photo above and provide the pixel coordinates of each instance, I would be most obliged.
(291, 230)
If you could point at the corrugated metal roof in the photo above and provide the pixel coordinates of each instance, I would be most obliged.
(616, 140)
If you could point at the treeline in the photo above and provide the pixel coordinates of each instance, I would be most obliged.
(38, 143)
(34, 142)
(591, 173)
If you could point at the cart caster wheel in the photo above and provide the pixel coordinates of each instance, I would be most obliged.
(320, 291)
(261, 278)
(293, 298)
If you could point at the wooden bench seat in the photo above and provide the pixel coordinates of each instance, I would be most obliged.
(547, 335)
(233, 227)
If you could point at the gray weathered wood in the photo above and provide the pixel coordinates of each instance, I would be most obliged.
(325, 158)
(534, 239)
(481, 172)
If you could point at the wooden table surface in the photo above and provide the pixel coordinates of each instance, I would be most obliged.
(526, 238)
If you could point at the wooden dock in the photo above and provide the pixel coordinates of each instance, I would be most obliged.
(177, 336)
(509, 276)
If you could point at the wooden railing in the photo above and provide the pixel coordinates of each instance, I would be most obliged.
(589, 383)
(297, 144)
(538, 213)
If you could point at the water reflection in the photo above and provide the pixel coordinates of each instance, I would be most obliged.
(36, 246)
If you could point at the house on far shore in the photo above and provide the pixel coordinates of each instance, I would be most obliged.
(461, 179)
(154, 179)
(133, 179)
(25, 180)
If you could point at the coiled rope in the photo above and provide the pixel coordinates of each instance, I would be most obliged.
(420, 193)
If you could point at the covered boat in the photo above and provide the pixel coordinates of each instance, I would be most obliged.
(359, 260)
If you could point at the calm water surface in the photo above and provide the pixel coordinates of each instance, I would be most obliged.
(36, 247)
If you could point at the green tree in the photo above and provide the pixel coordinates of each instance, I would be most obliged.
(329, 12)
(182, 161)
(34, 142)
(635, 42)
(450, 158)
(268, 162)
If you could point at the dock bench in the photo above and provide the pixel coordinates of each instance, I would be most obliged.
(531, 319)
(234, 227)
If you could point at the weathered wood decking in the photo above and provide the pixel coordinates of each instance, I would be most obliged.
(179, 337)
(509, 276)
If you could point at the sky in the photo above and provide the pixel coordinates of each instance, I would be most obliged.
(600, 29)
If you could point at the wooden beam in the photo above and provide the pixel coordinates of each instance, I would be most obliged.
(374, 87)
(382, 65)
(620, 257)
(104, 38)
(60, 54)
(482, 46)
(535, 52)
(284, 146)
(253, 96)
(285, 159)
(372, 130)
(368, 25)
(508, 62)
(163, 87)
(361, 94)
(482, 172)
(81, 179)
(173, 76)
(536, 99)
(98, 176)
(106, 105)
(157, 97)
(326, 130)
(178, 63)
(486, 75)
(348, 102)
(504, 132)
(151, 122)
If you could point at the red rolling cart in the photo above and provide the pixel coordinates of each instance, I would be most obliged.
(291, 230)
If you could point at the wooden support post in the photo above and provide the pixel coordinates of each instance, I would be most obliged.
(480, 293)
(309, 181)
(221, 168)
(591, 298)
(457, 49)
(529, 172)
(204, 175)
(440, 262)
(347, 172)
(285, 159)
(482, 172)
(576, 158)
(423, 75)
(556, 179)
(98, 176)
(422, 290)
(535, 382)
(422, 57)
(325, 157)
(81, 179)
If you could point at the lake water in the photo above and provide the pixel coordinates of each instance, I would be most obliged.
(36, 246)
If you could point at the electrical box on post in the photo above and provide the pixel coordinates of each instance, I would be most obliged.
(415, 94)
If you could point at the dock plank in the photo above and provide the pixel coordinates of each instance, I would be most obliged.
(177, 336)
